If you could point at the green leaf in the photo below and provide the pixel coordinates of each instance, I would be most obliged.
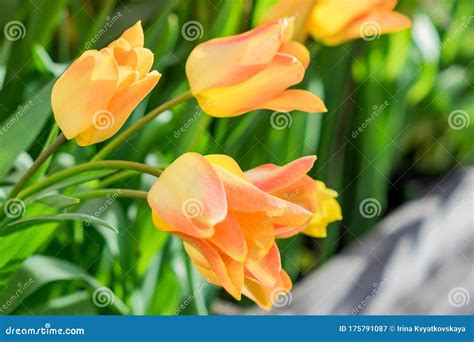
(77, 303)
(27, 222)
(59, 201)
(26, 123)
(38, 271)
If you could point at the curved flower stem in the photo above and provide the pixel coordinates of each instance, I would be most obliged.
(119, 176)
(111, 192)
(90, 166)
(120, 139)
(36, 165)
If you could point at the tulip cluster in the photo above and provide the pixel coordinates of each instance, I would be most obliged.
(229, 220)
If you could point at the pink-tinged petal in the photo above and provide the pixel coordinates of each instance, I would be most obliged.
(284, 232)
(108, 122)
(189, 196)
(267, 270)
(240, 56)
(265, 296)
(283, 72)
(297, 50)
(228, 237)
(290, 215)
(270, 178)
(134, 35)
(295, 99)
(258, 231)
(244, 196)
(230, 273)
(297, 11)
(85, 88)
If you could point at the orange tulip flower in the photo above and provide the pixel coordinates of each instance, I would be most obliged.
(291, 183)
(334, 22)
(98, 92)
(234, 75)
(228, 224)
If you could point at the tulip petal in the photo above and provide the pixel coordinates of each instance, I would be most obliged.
(189, 196)
(120, 107)
(226, 162)
(258, 231)
(374, 23)
(240, 56)
(134, 35)
(265, 296)
(329, 17)
(126, 77)
(295, 99)
(327, 211)
(244, 196)
(283, 72)
(270, 177)
(228, 237)
(92, 79)
(144, 60)
(267, 270)
(123, 53)
(297, 50)
(230, 273)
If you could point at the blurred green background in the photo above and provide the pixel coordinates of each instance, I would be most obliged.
(400, 112)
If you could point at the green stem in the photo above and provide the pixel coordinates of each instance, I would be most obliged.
(111, 192)
(137, 125)
(99, 165)
(36, 165)
(119, 176)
